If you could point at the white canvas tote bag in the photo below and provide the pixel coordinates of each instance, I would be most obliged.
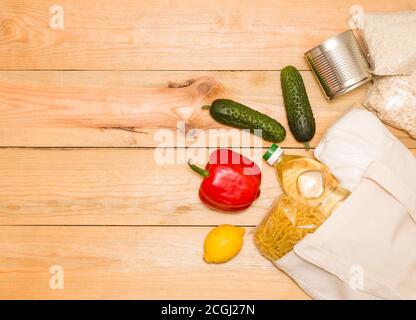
(367, 248)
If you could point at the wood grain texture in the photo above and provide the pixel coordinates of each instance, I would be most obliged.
(127, 109)
(132, 263)
(119, 223)
(161, 35)
(114, 187)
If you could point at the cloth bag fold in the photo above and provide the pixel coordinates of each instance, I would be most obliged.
(367, 248)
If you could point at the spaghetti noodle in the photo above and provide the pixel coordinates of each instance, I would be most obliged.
(288, 222)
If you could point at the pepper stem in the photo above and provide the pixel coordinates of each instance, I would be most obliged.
(202, 172)
(206, 107)
(306, 144)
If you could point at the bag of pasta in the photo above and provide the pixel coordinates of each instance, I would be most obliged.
(310, 194)
(288, 222)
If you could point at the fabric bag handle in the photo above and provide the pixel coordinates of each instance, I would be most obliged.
(391, 182)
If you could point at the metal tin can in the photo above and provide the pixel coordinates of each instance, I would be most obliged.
(339, 64)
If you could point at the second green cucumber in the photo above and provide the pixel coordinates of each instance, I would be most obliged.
(298, 109)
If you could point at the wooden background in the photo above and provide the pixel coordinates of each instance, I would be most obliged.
(79, 109)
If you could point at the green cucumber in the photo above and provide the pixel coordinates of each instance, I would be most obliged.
(237, 115)
(298, 109)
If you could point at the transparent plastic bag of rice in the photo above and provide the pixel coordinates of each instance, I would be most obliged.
(393, 99)
(389, 38)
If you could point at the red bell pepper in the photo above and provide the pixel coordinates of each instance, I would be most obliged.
(231, 181)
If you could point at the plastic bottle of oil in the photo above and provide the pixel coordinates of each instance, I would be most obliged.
(306, 179)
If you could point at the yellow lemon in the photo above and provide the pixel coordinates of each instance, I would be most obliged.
(223, 243)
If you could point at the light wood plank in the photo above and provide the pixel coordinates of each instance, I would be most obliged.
(132, 263)
(161, 35)
(114, 187)
(127, 109)
(102, 187)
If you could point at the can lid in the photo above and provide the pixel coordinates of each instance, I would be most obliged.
(273, 154)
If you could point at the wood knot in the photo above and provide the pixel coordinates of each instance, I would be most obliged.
(9, 28)
(184, 84)
(201, 89)
(204, 87)
(207, 88)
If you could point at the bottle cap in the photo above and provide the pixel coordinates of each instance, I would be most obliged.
(273, 154)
